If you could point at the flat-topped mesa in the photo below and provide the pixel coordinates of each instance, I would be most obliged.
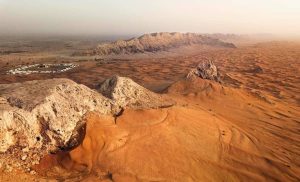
(125, 92)
(156, 42)
(205, 70)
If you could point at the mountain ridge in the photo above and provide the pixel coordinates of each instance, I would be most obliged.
(155, 42)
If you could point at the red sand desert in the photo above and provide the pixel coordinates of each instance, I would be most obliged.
(243, 129)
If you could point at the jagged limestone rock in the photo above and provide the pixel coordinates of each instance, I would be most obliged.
(45, 113)
(205, 70)
(43, 116)
(125, 92)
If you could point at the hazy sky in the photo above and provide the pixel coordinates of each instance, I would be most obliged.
(122, 17)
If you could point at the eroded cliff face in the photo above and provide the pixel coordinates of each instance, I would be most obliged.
(156, 42)
(40, 117)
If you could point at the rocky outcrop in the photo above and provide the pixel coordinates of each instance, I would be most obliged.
(205, 70)
(42, 116)
(155, 42)
(125, 92)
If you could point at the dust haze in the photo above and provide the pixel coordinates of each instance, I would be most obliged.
(135, 17)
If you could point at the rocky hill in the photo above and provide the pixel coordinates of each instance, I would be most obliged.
(155, 42)
(125, 92)
(205, 70)
(42, 116)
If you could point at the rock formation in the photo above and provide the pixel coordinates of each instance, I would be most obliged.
(125, 92)
(205, 70)
(42, 116)
(155, 42)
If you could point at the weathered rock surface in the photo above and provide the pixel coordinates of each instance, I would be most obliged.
(42, 116)
(155, 42)
(125, 92)
(45, 112)
(205, 70)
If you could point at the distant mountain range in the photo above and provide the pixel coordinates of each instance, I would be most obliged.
(155, 42)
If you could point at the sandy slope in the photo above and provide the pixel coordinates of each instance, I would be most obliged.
(262, 137)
